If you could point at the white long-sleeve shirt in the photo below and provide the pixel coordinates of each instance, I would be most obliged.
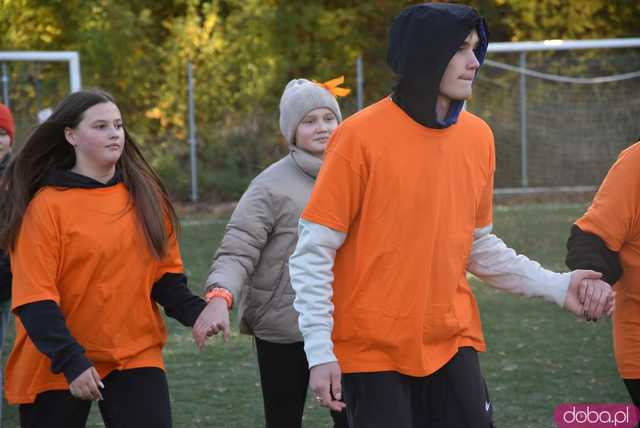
(311, 272)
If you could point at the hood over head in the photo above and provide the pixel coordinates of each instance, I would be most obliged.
(422, 41)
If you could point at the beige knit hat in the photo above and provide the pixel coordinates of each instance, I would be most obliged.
(300, 96)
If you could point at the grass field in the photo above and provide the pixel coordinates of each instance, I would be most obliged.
(538, 356)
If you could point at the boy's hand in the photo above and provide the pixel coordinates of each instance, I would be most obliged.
(325, 383)
(588, 296)
(597, 297)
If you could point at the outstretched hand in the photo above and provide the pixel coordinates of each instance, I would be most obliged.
(588, 296)
(213, 319)
(597, 297)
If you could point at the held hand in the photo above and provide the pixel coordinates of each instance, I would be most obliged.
(213, 319)
(86, 386)
(325, 383)
(572, 301)
(597, 297)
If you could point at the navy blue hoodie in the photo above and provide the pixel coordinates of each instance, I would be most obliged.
(422, 41)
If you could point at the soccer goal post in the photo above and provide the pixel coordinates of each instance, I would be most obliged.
(561, 110)
(34, 81)
(71, 57)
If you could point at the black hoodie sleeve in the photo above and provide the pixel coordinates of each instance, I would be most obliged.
(48, 331)
(172, 293)
(5, 277)
(588, 251)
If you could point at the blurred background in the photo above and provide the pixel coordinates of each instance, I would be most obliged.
(243, 52)
(560, 118)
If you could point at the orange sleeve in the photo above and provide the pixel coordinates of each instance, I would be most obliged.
(339, 189)
(484, 213)
(35, 259)
(613, 214)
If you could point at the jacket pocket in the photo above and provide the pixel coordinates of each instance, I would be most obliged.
(285, 294)
(271, 301)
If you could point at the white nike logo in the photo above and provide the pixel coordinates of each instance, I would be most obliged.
(487, 406)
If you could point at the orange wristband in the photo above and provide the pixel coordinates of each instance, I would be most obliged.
(220, 292)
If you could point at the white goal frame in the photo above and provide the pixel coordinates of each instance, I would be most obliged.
(546, 45)
(72, 57)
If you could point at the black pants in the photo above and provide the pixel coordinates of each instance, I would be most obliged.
(455, 396)
(136, 398)
(633, 386)
(284, 375)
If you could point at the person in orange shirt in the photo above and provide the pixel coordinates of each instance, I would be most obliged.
(92, 240)
(607, 239)
(401, 210)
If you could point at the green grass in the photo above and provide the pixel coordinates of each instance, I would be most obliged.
(538, 355)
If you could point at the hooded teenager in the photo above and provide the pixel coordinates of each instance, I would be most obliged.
(401, 210)
(93, 243)
(251, 264)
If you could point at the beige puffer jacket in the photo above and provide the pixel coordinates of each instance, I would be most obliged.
(252, 260)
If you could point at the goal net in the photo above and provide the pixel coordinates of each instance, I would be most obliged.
(560, 116)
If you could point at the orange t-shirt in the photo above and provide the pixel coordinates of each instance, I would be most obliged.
(84, 249)
(614, 216)
(409, 199)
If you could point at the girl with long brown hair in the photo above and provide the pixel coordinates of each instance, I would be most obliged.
(92, 238)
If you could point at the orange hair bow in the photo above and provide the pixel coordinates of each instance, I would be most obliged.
(332, 86)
